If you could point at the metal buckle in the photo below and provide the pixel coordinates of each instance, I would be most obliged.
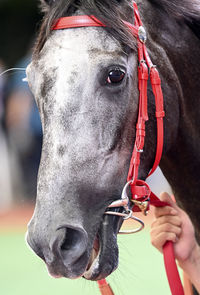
(127, 214)
(142, 205)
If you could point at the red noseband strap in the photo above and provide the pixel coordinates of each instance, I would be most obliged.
(140, 190)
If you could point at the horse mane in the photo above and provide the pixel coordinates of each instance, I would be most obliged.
(186, 9)
(110, 12)
(183, 10)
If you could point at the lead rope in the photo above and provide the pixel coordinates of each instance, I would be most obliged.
(104, 287)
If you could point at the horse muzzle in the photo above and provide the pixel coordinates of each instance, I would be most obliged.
(66, 255)
(72, 251)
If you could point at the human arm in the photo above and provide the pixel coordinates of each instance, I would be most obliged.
(173, 224)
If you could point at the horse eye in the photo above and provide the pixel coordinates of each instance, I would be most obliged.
(115, 76)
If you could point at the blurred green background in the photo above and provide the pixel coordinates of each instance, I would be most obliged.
(141, 270)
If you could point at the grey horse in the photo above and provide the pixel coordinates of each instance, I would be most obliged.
(86, 86)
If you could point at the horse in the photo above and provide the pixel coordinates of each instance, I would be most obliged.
(85, 84)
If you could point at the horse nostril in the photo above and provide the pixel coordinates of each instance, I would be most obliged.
(71, 243)
(72, 239)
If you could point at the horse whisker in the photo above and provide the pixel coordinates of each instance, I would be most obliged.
(12, 69)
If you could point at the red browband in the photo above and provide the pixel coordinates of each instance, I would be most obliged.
(140, 190)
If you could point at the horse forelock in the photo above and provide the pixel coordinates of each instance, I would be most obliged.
(110, 12)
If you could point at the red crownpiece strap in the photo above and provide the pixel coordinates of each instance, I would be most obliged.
(77, 21)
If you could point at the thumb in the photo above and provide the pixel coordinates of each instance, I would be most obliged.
(165, 197)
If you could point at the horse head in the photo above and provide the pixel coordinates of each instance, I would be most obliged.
(86, 87)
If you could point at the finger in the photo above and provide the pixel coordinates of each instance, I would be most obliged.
(159, 240)
(162, 211)
(165, 197)
(172, 219)
(164, 228)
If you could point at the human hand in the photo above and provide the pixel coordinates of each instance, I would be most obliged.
(173, 224)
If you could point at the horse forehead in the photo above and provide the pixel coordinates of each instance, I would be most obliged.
(86, 38)
(71, 55)
(79, 45)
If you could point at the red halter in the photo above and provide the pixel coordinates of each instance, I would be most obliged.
(140, 190)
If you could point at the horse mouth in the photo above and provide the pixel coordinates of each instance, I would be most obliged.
(94, 259)
(104, 255)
